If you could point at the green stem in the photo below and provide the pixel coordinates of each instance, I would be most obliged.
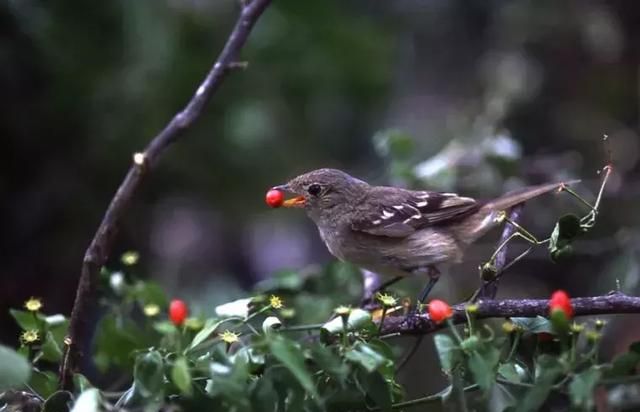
(384, 313)
(454, 330)
(345, 331)
(469, 321)
(437, 397)
(577, 196)
(254, 314)
(514, 347)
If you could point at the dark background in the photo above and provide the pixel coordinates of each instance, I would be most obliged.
(489, 95)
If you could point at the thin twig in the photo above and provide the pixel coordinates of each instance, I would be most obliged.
(420, 324)
(489, 289)
(102, 242)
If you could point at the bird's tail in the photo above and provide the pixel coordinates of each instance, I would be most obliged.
(484, 219)
(522, 195)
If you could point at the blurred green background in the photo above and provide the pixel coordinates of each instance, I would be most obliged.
(477, 97)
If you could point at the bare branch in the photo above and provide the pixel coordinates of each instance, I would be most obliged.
(102, 242)
(613, 303)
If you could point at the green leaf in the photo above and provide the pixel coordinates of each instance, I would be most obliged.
(263, 395)
(566, 230)
(509, 371)
(482, 363)
(116, 339)
(51, 351)
(330, 362)
(181, 376)
(582, 386)
(210, 326)
(448, 351)
(365, 356)
(15, 369)
(376, 388)
(287, 352)
(548, 369)
(81, 383)
(44, 383)
(624, 364)
(148, 374)
(60, 401)
(149, 292)
(26, 320)
(538, 324)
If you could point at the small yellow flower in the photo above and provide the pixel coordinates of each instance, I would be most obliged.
(33, 305)
(275, 302)
(509, 327)
(29, 336)
(229, 337)
(386, 300)
(342, 310)
(600, 324)
(577, 327)
(593, 336)
(130, 258)
(151, 310)
(472, 308)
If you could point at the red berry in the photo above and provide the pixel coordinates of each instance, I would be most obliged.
(178, 311)
(544, 337)
(274, 198)
(560, 301)
(439, 311)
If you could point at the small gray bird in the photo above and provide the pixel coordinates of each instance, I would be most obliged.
(393, 231)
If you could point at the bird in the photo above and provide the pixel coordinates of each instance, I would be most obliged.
(397, 232)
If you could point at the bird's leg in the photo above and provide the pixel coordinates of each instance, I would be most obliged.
(434, 275)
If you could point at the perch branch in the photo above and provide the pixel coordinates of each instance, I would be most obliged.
(613, 303)
(102, 242)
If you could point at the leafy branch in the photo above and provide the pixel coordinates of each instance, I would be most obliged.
(613, 303)
(102, 242)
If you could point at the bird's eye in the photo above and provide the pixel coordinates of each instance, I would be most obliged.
(314, 189)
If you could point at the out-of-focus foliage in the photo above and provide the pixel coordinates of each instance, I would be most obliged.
(264, 355)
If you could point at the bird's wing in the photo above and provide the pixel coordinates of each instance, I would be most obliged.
(398, 213)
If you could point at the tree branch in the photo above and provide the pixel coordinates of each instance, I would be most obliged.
(102, 242)
(613, 303)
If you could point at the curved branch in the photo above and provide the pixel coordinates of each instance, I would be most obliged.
(613, 303)
(102, 242)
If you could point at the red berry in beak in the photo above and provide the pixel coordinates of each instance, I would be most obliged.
(274, 198)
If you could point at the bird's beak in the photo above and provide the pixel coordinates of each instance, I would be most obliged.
(297, 201)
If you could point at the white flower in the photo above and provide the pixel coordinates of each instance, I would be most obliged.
(238, 307)
(271, 324)
(116, 280)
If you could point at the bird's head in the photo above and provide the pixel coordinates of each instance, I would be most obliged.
(322, 190)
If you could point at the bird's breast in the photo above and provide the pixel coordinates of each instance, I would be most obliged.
(393, 256)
